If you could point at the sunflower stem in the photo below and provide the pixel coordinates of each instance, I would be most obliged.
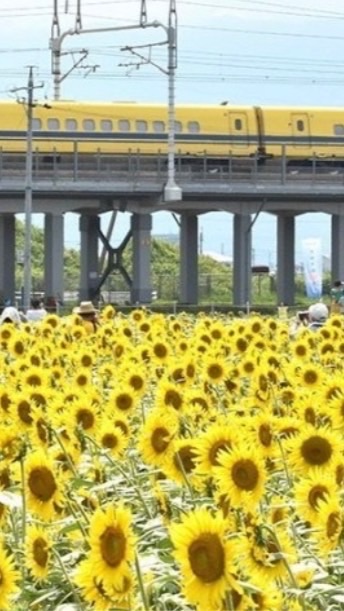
(229, 601)
(61, 444)
(81, 527)
(74, 591)
(188, 485)
(125, 474)
(286, 470)
(22, 475)
(140, 582)
(284, 560)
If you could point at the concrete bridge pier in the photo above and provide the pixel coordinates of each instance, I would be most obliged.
(89, 225)
(188, 258)
(141, 289)
(285, 259)
(242, 252)
(7, 257)
(337, 247)
(53, 255)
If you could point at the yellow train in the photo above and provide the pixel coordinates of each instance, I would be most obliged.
(217, 131)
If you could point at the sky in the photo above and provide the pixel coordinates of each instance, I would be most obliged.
(254, 52)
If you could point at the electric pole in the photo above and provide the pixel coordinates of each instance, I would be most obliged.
(28, 195)
(28, 101)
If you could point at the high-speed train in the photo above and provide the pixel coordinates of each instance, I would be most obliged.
(218, 131)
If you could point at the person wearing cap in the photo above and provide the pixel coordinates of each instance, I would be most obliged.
(318, 314)
(88, 314)
(10, 314)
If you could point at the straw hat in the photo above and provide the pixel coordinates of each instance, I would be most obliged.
(85, 307)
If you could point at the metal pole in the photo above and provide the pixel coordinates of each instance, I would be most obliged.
(28, 196)
(172, 192)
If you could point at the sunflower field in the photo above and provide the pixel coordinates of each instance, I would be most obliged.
(171, 463)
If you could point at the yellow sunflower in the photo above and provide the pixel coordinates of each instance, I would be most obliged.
(112, 543)
(313, 447)
(318, 485)
(309, 375)
(241, 476)
(92, 588)
(43, 488)
(84, 415)
(218, 437)
(123, 399)
(111, 439)
(215, 369)
(206, 557)
(328, 534)
(267, 555)
(37, 552)
(180, 464)
(9, 580)
(156, 436)
(169, 394)
(23, 410)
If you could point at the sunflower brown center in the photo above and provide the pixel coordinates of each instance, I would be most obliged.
(5, 402)
(172, 397)
(265, 435)
(310, 377)
(136, 382)
(34, 380)
(245, 474)
(316, 450)
(215, 371)
(316, 494)
(124, 401)
(213, 455)
(301, 350)
(160, 439)
(40, 552)
(109, 440)
(310, 415)
(207, 557)
(112, 546)
(85, 418)
(340, 475)
(122, 426)
(42, 483)
(24, 411)
(185, 456)
(42, 430)
(160, 350)
(333, 524)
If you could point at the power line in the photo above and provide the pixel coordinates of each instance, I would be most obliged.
(293, 13)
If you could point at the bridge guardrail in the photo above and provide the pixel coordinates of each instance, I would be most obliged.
(96, 167)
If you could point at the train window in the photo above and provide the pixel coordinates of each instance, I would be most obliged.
(36, 124)
(193, 127)
(300, 125)
(238, 124)
(124, 125)
(141, 126)
(71, 125)
(159, 126)
(178, 127)
(89, 125)
(106, 125)
(53, 124)
(338, 129)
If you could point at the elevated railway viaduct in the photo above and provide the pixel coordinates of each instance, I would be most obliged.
(92, 185)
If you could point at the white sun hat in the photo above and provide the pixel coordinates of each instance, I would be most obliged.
(318, 312)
